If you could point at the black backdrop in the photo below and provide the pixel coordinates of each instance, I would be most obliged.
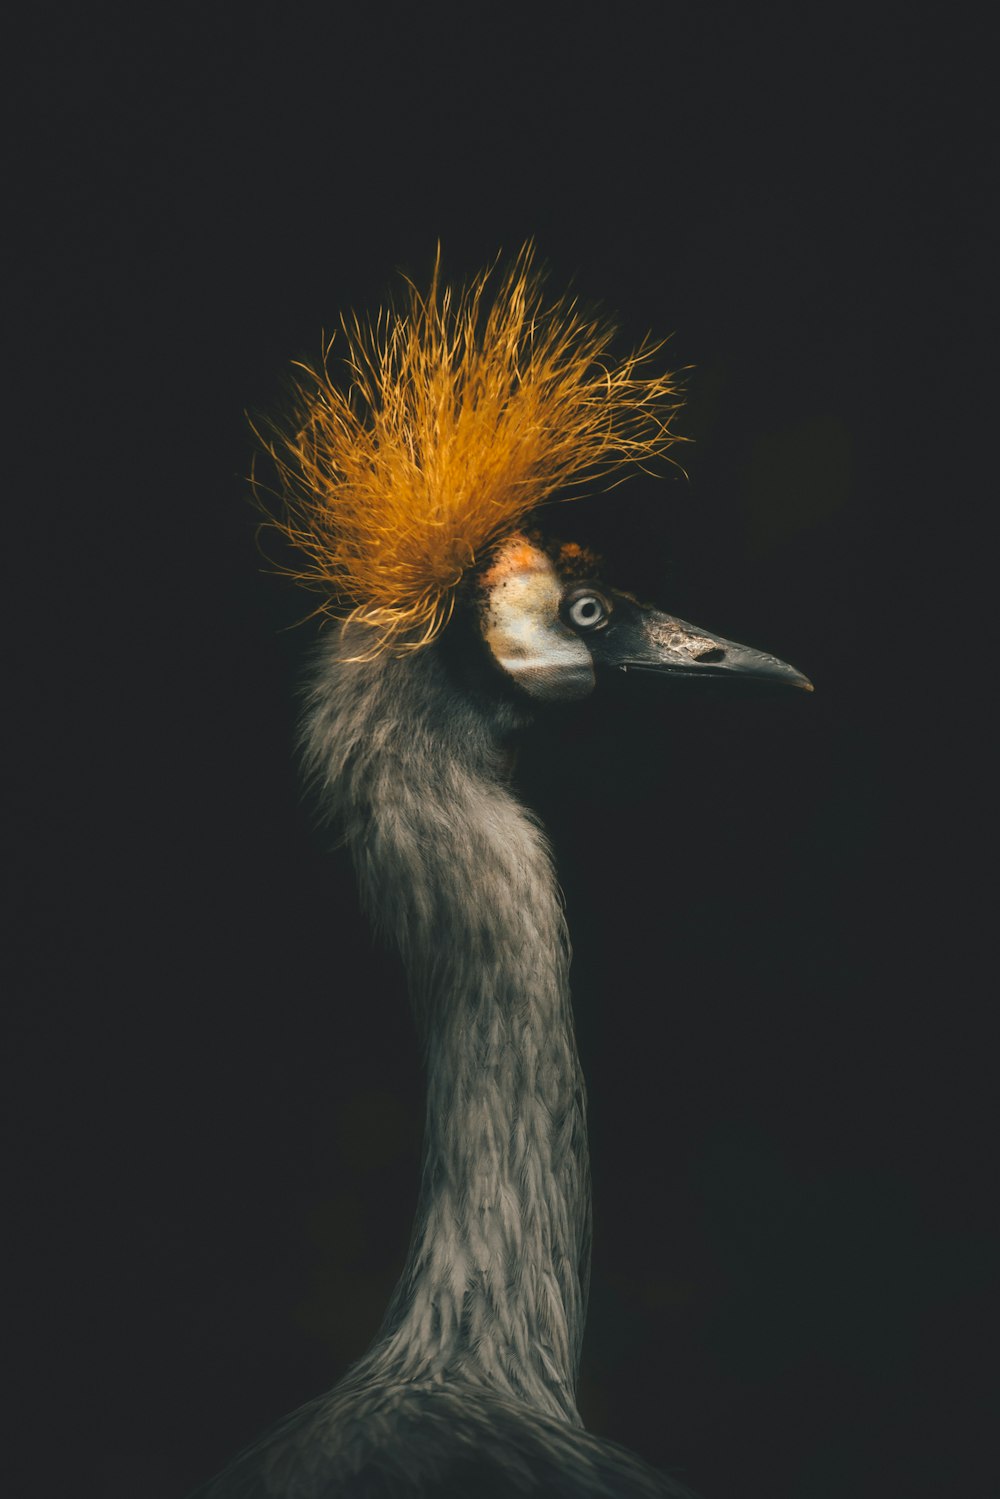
(214, 1090)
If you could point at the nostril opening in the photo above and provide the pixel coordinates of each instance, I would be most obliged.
(716, 653)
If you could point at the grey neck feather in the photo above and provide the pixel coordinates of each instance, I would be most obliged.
(458, 875)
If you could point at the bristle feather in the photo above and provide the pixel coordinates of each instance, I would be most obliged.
(459, 416)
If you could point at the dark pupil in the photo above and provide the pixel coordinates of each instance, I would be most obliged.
(587, 609)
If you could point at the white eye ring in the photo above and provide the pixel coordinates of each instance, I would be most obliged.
(587, 611)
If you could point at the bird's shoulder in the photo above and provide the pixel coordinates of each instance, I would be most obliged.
(431, 1441)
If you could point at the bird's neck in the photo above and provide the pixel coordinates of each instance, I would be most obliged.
(494, 1286)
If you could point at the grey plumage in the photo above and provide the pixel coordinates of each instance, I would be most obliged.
(468, 1388)
(460, 878)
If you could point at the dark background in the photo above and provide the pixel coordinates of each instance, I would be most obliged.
(213, 1090)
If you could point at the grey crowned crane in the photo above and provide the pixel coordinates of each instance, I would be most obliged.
(409, 490)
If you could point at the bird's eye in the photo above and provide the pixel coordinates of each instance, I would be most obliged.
(586, 609)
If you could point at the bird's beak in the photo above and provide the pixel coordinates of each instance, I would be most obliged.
(640, 638)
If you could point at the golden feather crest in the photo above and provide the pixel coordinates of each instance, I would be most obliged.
(458, 414)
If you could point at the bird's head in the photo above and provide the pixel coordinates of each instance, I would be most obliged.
(409, 480)
(551, 624)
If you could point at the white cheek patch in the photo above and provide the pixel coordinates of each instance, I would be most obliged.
(522, 628)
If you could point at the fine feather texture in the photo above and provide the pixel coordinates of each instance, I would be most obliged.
(434, 1441)
(468, 1391)
(459, 877)
(457, 415)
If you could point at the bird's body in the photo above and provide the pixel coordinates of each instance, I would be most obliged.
(407, 495)
(426, 1440)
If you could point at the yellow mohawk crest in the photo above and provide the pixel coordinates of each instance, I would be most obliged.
(458, 415)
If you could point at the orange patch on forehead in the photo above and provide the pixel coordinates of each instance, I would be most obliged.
(517, 555)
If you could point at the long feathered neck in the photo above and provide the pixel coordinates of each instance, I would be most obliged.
(458, 875)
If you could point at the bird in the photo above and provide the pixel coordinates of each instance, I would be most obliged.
(411, 480)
